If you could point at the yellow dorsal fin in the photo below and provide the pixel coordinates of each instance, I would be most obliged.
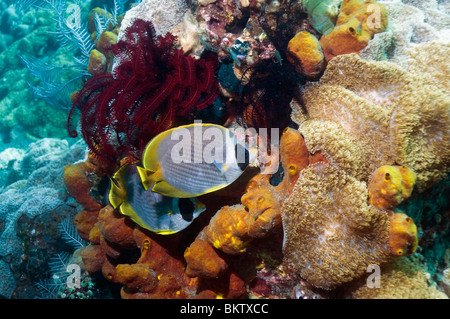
(150, 158)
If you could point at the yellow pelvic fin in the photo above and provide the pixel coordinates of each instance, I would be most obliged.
(148, 177)
(165, 232)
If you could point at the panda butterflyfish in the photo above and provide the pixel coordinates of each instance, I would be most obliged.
(193, 160)
(155, 212)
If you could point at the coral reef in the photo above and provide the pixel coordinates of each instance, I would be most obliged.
(363, 180)
(14, 25)
(430, 210)
(385, 114)
(234, 228)
(165, 273)
(37, 119)
(158, 272)
(207, 267)
(154, 266)
(32, 203)
(250, 31)
(7, 279)
(265, 97)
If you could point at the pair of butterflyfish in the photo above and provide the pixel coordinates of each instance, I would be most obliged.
(178, 165)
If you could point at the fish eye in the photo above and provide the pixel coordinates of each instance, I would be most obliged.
(187, 208)
(242, 156)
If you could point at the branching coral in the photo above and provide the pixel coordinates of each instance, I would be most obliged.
(386, 115)
(152, 86)
(331, 234)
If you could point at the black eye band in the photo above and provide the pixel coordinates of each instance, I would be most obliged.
(187, 208)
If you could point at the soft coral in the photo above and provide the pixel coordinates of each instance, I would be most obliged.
(153, 85)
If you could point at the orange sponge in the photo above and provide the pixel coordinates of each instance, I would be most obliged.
(357, 23)
(305, 52)
(390, 185)
(403, 238)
